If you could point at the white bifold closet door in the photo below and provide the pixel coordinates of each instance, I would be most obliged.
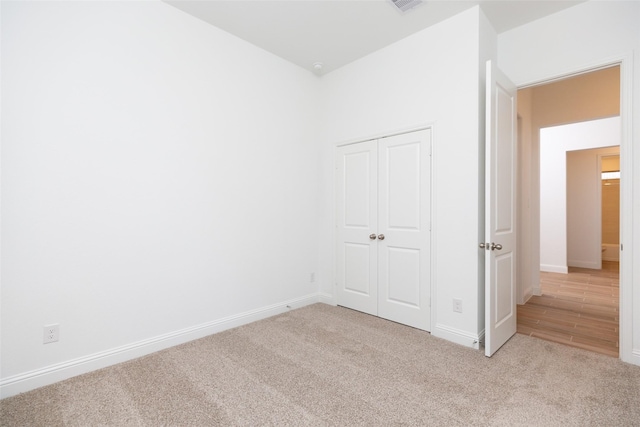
(383, 227)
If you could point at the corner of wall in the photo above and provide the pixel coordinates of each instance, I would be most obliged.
(458, 336)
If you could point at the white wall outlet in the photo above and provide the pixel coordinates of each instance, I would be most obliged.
(312, 277)
(51, 333)
(457, 305)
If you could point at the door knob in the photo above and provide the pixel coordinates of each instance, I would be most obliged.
(372, 236)
(381, 236)
(496, 246)
(484, 246)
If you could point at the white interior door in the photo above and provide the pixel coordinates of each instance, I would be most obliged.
(500, 198)
(404, 171)
(357, 221)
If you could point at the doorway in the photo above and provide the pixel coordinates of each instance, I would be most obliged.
(587, 96)
(610, 202)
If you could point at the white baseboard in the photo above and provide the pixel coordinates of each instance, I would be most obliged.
(527, 296)
(633, 358)
(51, 374)
(457, 336)
(584, 264)
(554, 268)
(327, 299)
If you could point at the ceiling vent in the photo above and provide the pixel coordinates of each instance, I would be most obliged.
(405, 5)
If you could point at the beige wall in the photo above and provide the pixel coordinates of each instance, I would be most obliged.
(590, 96)
(611, 211)
(611, 164)
(526, 159)
(611, 202)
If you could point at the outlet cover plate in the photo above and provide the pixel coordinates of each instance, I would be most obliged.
(51, 333)
(457, 305)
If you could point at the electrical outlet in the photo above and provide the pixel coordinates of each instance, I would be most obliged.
(312, 277)
(51, 333)
(457, 305)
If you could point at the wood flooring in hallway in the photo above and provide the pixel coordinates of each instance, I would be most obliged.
(579, 309)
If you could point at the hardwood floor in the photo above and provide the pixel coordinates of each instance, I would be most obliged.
(580, 309)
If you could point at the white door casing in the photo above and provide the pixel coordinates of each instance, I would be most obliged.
(383, 227)
(500, 214)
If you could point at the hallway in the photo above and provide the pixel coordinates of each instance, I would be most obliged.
(579, 309)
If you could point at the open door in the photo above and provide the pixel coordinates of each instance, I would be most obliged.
(500, 214)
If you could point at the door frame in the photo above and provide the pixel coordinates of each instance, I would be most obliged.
(625, 62)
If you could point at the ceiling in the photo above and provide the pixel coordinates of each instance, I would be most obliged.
(336, 32)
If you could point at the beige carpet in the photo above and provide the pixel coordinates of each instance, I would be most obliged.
(330, 366)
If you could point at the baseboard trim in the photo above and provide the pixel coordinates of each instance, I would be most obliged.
(634, 359)
(54, 373)
(554, 268)
(327, 299)
(584, 264)
(457, 336)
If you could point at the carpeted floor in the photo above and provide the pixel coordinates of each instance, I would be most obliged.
(330, 366)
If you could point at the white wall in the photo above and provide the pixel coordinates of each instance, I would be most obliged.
(159, 182)
(528, 54)
(555, 143)
(421, 80)
(162, 179)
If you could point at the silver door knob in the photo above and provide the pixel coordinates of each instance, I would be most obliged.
(483, 245)
(381, 236)
(496, 246)
(372, 236)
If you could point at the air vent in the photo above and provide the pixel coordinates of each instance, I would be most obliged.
(404, 5)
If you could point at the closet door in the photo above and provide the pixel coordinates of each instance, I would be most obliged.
(383, 228)
(357, 218)
(404, 207)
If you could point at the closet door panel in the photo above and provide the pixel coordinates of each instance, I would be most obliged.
(357, 218)
(404, 170)
(403, 276)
